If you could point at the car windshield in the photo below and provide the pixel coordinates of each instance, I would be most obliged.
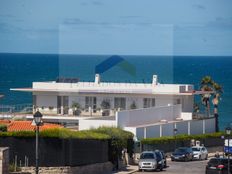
(196, 149)
(147, 156)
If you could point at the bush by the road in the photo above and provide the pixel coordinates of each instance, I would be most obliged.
(165, 140)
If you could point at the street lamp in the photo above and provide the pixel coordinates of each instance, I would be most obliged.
(175, 132)
(228, 132)
(38, 122)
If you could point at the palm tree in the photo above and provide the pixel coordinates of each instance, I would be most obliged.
(208, 84)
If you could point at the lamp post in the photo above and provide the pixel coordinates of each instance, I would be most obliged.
(38, 122)
(175, 132)
(228, 132)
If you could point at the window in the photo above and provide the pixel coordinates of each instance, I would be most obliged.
(177, 101)
(65, 104)
(148, 102)
(62, 101)
(120, 102)
(91, 102)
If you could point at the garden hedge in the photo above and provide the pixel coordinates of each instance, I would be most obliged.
(165, 140)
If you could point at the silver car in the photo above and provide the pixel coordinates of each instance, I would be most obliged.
(200, 153)
(148, 161)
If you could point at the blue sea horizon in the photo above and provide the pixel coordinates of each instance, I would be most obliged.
(20, 70)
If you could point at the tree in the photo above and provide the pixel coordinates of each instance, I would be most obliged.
(208, 84)
(133, 105)
(76, 107)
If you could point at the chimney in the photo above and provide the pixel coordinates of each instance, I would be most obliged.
(97, 79)
(155, 80)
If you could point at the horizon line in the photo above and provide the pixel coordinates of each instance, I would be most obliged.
(116, 54)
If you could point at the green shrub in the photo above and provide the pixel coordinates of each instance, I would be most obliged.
(120, 139)
(3, 128)
(57, 133)
(66, 133)
(180, 138)
(13, 169)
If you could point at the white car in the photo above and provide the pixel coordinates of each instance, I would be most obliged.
(200, 153)
(148, 161)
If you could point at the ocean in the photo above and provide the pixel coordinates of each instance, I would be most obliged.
(20, 70)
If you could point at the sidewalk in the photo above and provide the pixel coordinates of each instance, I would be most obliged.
(127, 170)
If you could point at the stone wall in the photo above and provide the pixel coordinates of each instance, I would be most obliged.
(99, 168)
(4, 160)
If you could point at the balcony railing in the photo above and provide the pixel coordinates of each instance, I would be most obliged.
(19, 108)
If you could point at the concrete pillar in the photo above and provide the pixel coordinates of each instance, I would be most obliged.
(145, 132)
(4, 160)
(161, 131)
(203, 122)
(189, 128)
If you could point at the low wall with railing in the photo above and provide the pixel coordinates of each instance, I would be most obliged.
(18, 108)
(190, 127)
(148, 115)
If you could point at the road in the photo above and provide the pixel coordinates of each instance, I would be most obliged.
(192, 167)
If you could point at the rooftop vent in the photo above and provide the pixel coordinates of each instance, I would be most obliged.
(155, 80)
(97, 78)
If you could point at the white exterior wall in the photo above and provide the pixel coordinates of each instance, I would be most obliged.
(89, 124)
(167, 129)
(46, 101)
(210, 125)
(192, 127)
(187, 103)
(153, 131)
(182, 127)
(147, 115)
(196, 127)
(187, 115)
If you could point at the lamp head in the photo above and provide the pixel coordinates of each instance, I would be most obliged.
(228, 130)
(38, 118)
(175, 130)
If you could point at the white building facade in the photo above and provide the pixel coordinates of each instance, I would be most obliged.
(141, 108)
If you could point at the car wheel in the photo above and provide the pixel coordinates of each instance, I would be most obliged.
(206, 157)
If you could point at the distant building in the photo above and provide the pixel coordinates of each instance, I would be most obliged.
(146, 109)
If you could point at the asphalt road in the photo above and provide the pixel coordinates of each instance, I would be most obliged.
(191, 167)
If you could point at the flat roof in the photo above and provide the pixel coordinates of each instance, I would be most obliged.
(114, 91)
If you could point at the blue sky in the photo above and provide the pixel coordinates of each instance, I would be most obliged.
(125, 27)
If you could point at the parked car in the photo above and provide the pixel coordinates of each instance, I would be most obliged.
(182, 154)
(160, 160)
(200, 153)
(164, 158)
(218, 166)
(148, 161)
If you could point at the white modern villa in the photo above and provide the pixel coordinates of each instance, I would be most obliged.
(146, 109)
